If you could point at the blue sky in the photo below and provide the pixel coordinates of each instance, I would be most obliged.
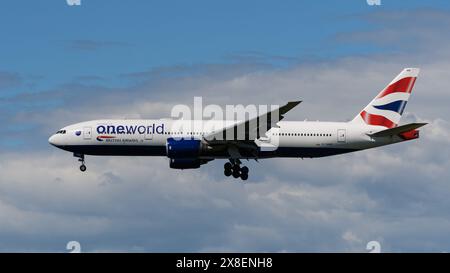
(50, 45)
(49, 42)
(113, 59)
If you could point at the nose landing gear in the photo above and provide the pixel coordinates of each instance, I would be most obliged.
(81, 159)
(234, 168)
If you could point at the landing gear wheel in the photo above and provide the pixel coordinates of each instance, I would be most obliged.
(234, 168)
(83, 168)
(236, 173)
(244, 176)
(228, 166)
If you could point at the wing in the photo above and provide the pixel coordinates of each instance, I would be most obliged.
(253, 128)
(241, 135)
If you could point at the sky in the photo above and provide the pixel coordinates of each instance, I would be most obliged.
(63, 64)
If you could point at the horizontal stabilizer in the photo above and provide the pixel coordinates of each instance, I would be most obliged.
(398, 130)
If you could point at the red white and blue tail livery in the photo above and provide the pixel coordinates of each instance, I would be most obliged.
(376, 125)
(386, 109)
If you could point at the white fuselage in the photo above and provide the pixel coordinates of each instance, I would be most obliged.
(149, 137)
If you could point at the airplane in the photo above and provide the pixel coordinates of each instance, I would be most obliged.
(374, 126)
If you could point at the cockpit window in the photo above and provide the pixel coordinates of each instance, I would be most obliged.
(61, 132)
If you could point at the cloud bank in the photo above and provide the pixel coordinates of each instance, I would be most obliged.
(397, 195)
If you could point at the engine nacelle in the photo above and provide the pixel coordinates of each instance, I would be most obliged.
(185, 153)
(185, 163)
(183, 148)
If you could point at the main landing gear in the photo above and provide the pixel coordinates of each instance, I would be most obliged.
(81, 159)
(234, 168)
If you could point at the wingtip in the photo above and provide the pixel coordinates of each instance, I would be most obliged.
(293, 104)
(288, 106)
(422, 124)
(296, 102)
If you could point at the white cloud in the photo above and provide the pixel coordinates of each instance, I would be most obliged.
(292, 206)
(397, 195)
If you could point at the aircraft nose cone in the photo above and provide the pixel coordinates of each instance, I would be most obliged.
(52, 140)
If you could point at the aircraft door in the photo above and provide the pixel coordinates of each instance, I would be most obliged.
(87, 133)
(341, 136)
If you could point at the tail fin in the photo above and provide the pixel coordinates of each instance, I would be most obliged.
(386, 109)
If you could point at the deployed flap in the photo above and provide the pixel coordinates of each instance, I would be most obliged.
(398, 130)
